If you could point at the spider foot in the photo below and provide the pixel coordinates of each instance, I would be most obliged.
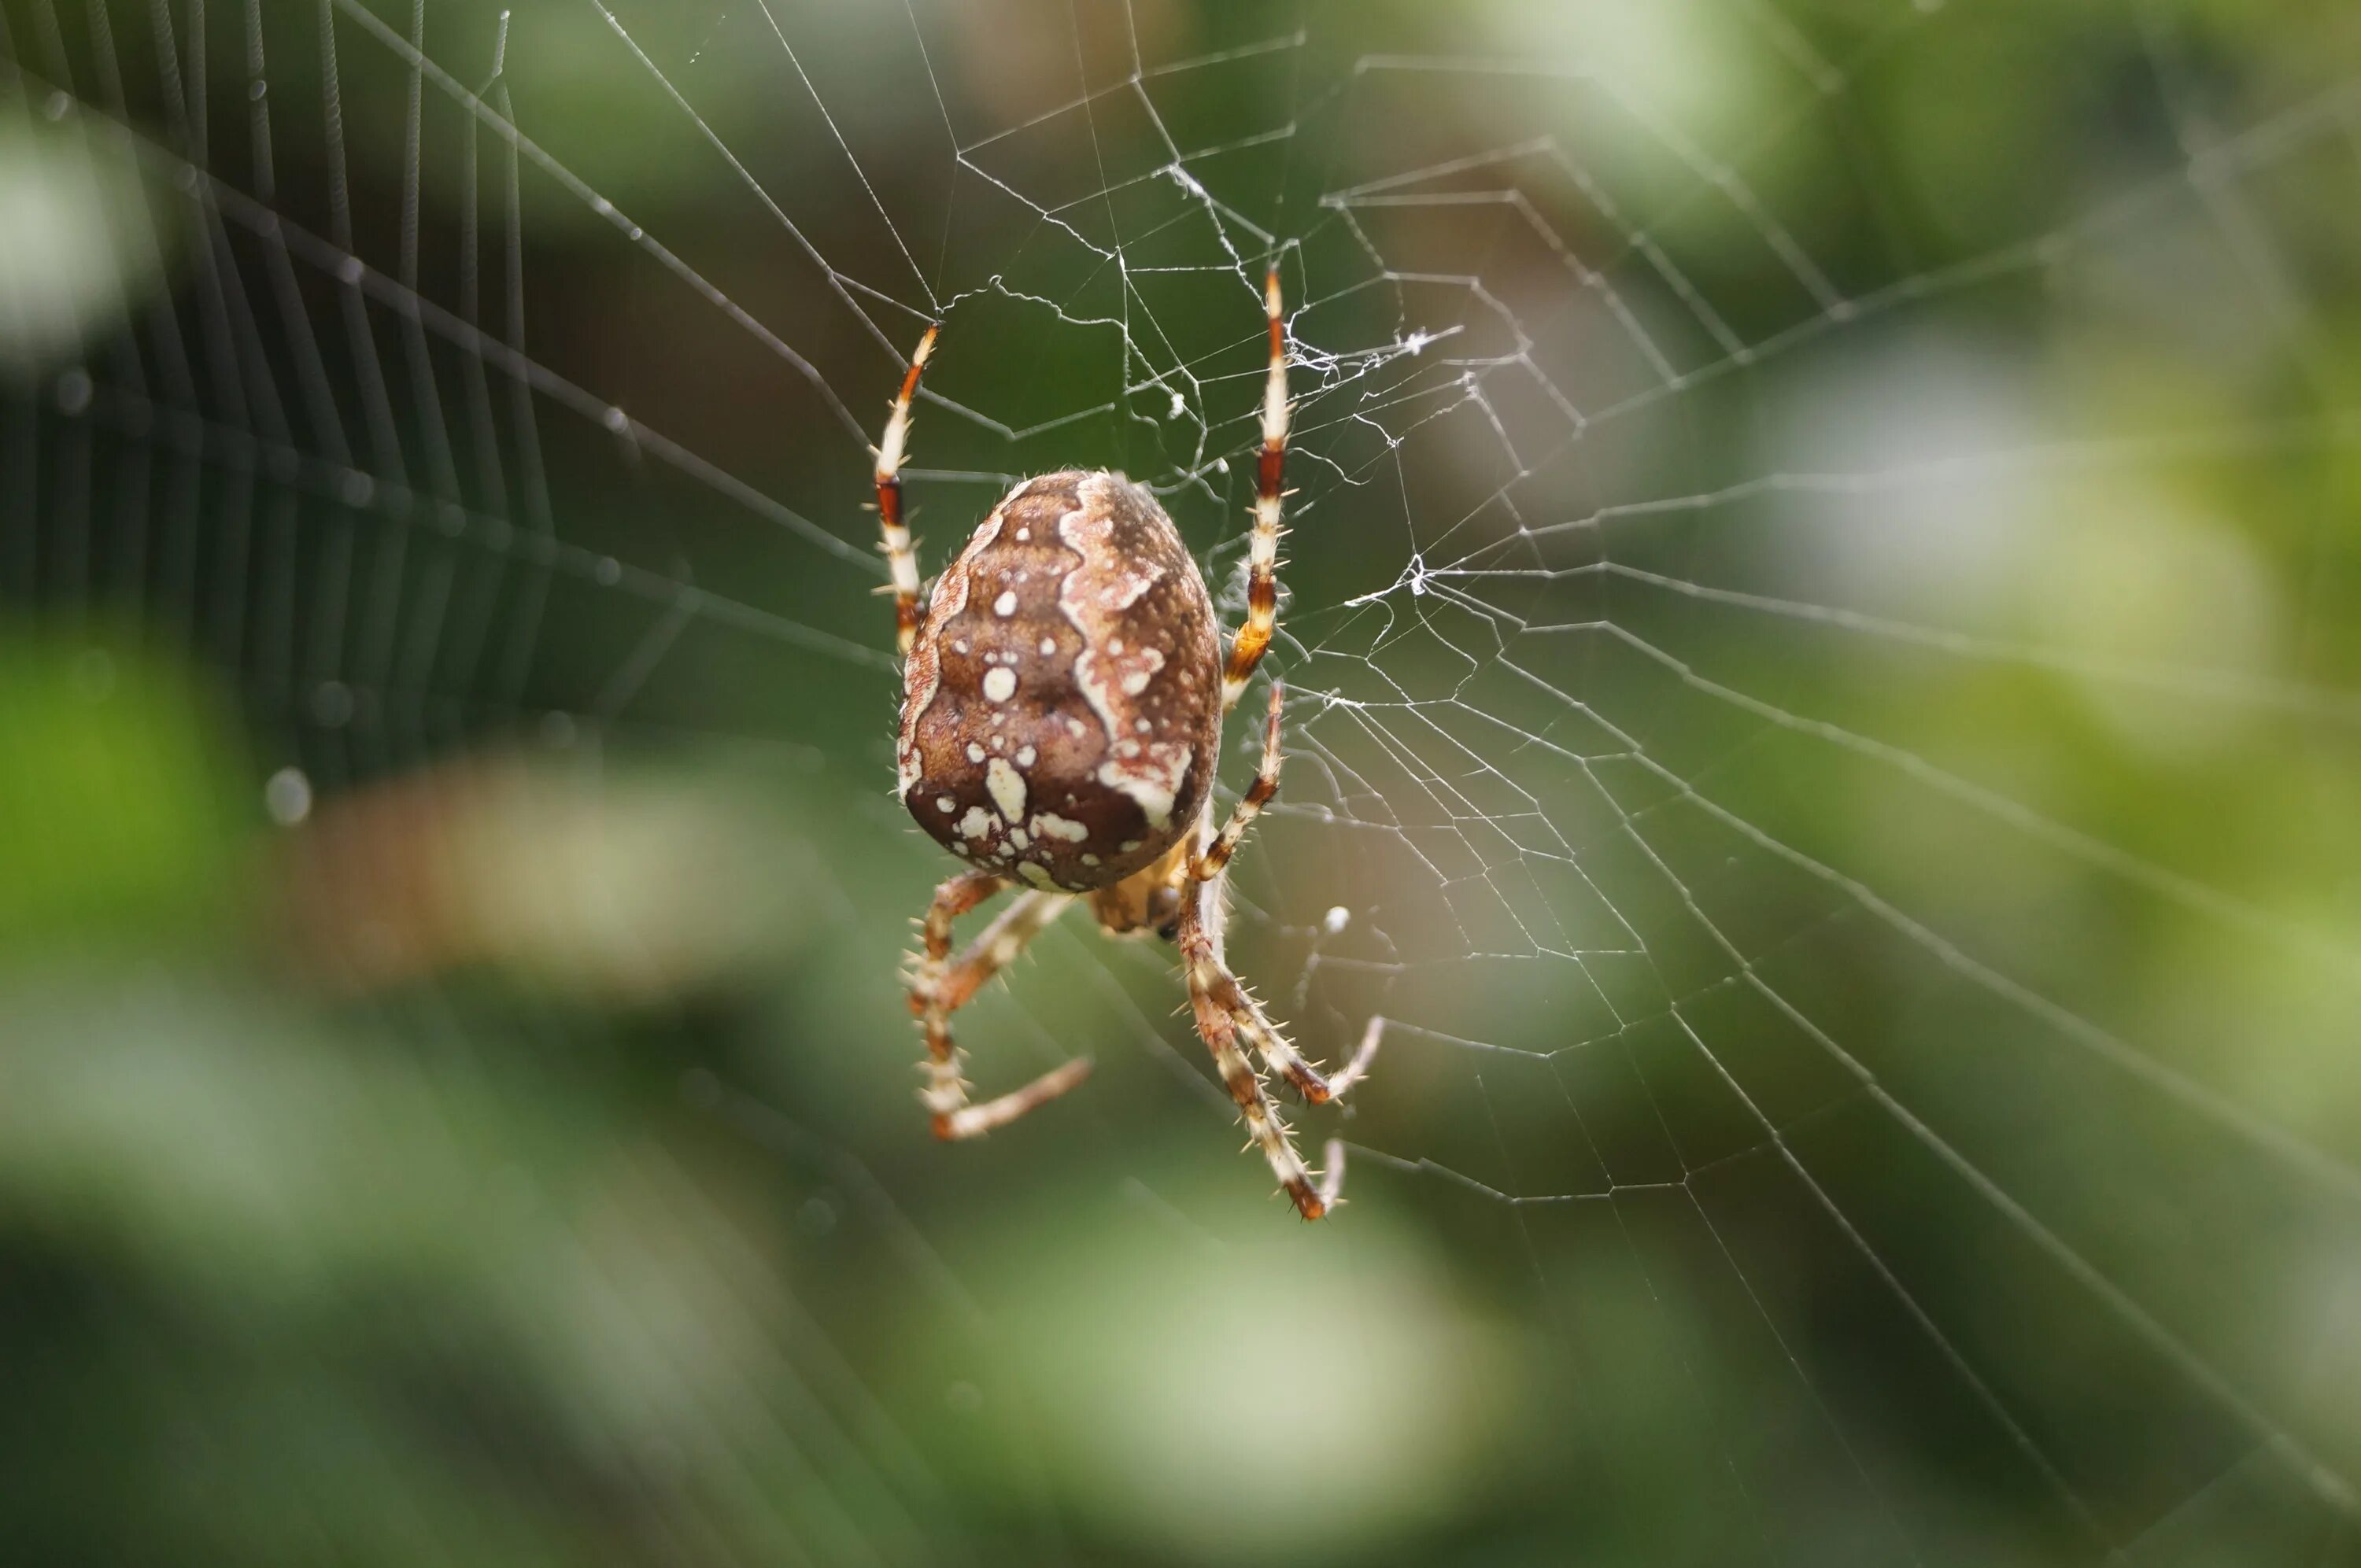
(1322, 1193)
(1358, 1067)
(955, 1120)
(1316, 1087)
(1331, 1191)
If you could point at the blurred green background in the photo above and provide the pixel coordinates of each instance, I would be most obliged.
(1824, 652)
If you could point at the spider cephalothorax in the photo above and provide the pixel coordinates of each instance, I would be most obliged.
(1063, 690)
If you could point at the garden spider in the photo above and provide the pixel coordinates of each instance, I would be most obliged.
(1063, 691)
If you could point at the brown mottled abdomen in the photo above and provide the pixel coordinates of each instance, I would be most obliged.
(1061, 706)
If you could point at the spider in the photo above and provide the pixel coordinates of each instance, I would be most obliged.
(1063, 692)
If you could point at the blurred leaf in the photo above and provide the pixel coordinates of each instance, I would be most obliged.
(115, 782)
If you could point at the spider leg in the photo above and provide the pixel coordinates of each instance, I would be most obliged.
(1009, 935)
(941, 987)
(1283, 1057)
(1358, 1067)
(1244, 1011)
(899, 557)
(1220, 1029)
(1258, 795)
(1262, 556)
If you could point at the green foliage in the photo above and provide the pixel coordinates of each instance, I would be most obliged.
(123, 796)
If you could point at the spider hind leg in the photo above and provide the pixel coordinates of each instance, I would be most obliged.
(941, 986)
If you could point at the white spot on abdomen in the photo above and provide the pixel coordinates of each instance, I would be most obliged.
(1151, 792)
(1006, 605)
(1057, 826)
(1113, 670)
(1007, 787)
(976, 822)
(1143, 670)
(999, 684)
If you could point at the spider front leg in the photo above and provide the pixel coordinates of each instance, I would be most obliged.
(899, 558)
(941, 987)
(1253, 637)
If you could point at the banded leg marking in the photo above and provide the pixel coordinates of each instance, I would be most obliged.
(899, 557)
(1253, 637)
(941, 987)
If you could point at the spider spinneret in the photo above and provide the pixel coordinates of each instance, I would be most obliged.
(1063, 692)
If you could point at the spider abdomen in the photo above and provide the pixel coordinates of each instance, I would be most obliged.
(1061, 702)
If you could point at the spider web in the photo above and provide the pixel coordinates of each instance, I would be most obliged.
(1820, 710)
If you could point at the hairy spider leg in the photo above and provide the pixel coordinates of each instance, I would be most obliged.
(1258, 795)
(1317, 1088)
(900, 560)
(940, 988)
(1220, 1030)
(1262, 554)
(1233, 996)
(1225, 1011)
